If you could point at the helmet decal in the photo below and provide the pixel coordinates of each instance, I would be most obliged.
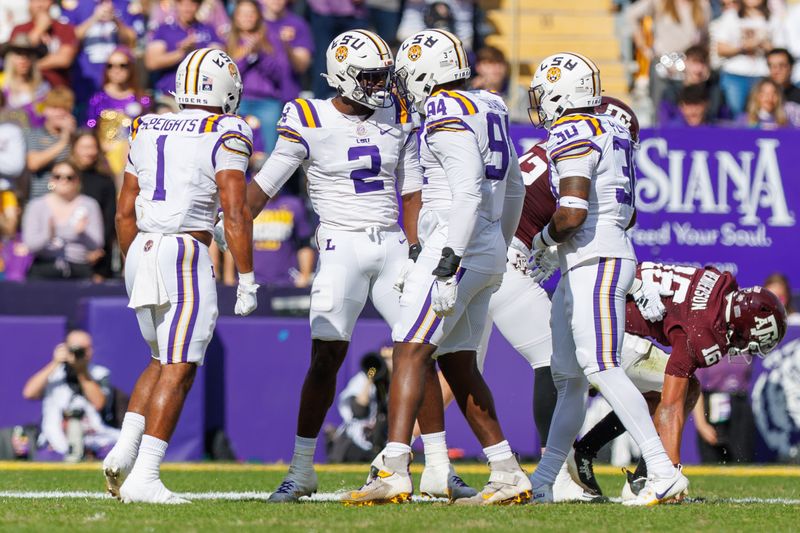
(553, 74)
(415, 52)
(341, 54)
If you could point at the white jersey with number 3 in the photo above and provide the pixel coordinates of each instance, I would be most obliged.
(599, 148)
(176, 157)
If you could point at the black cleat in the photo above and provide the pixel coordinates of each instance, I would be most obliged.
(581, 468)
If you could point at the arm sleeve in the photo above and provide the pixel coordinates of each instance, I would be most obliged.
(409, 171)
(460, 157)
(680, 364)
(515, 198)
(280, 166)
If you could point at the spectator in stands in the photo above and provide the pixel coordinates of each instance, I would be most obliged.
(210, 12)
(113, 108)
(693, 105)
(282, 252)
(456, 16)
(743, 38)
(328, 19)
(50, 144)
(23, 85)
(74, 393)
(63, 229)
(264, 65)
(723, 416)
(780, 63)
(766, 109)
(295, 34)
(12, 165)
(779, 284)
(791, 35)
(12, 14)
(170, 43)
(101, 26)
(59, 38)
(384, 18)
(677, 25)
(697, 72)
(97, 182)
(492, 74)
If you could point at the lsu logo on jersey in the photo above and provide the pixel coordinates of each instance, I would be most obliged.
(414, 52)
(341, 54)
(554, 74)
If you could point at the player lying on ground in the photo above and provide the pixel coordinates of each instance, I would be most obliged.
(181, 165)
(471, 202)
(707, 317)
(355, 149)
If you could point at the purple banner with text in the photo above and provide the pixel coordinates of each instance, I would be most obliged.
(715, 196)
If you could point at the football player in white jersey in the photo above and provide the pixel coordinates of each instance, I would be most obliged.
(357, 149)
(180, 168)
(472, 198)
(591, 175)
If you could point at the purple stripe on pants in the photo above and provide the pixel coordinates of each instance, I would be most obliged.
(615, 344)
(422, 314)
(195, 304)
(177, 316)
(598, 322)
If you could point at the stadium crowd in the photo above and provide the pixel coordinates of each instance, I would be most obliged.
(77, 72)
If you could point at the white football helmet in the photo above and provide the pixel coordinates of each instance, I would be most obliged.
(427, 59)
(360, 67)
(563, 81)
(208, 77)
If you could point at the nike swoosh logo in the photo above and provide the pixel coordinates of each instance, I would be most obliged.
(660, 496)
(402, 241)
(384, 132)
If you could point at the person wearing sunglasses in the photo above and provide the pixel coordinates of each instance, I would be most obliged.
(63, 229)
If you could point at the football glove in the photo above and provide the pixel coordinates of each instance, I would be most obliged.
(413, 252)
(648, 300)
(219, 234)
(543, 264)
(443, 292)
(246, 298)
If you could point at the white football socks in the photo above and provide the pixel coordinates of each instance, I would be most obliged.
(304, 448)
(566, 423)
(631, 408)
(148, 463)
(435, 449)
(130, 436)
(498, 452)
(396, 449)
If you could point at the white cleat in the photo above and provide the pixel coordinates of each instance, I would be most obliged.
(115, 472)
(295, 485)
(508, 485)
(133, 491)
(566, 490)
(661, 490)
(390, 484)
(542, 494)
(443, 482)
(633, 485)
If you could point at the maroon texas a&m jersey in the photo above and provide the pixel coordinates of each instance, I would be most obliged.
(539, 204)
(695, 324)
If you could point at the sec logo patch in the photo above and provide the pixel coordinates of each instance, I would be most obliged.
(554, 74)
(415, 52)
(341, 54)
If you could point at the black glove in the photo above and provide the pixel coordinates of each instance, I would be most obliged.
(448, 264)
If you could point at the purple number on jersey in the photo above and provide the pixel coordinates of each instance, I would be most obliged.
(361, 174)
(160, 194)
(498, 143)
(624, 145)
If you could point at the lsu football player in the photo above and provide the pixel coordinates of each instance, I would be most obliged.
(591, 174)
(707, 318)
(357, 149)
(471, 202)
(165, 221)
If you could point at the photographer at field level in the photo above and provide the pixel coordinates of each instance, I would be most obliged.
(74, 394)
(363, 406)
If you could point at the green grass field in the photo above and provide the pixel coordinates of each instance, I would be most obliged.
(724, 499)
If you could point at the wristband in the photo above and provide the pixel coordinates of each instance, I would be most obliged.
(448, 264)
(413, 251)
(247, 278)
(573, 202)
(547, 239)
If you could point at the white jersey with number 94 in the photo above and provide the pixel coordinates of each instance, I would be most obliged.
(176, 157)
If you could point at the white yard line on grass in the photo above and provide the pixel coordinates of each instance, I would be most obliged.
(320, 497)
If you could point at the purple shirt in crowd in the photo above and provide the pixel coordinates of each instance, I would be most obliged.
(726, 377)
(171, 35)
(296, 26)
(100, 39)
(338, 8)
(265, 74)
(132, 106)
(276, 233)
